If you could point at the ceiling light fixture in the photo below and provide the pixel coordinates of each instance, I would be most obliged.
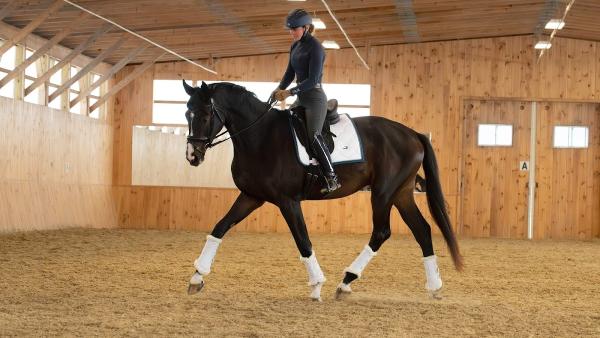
(330, 44)
(543, 45)
(555, 24)
(319, 24)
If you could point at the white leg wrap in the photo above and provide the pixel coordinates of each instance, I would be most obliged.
(360, 263)
(434, 281)
(207, 256)
(315, 274)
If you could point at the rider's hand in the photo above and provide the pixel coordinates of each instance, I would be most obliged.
(281, 95)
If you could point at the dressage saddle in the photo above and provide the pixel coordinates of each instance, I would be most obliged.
(298, 121)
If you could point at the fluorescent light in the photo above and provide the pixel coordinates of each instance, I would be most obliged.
(555, 24)
(330, 44)
(319, 24)
(543, 45)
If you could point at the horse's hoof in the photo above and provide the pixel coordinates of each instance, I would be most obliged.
(342, 291)
(318, 300)
(437, 294)
(195, 288)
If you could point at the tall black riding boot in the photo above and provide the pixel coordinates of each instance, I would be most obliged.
(322, 154)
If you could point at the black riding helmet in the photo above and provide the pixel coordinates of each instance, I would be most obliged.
(297, 18)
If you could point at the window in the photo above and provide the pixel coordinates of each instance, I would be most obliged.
(170, 98)
(7, 63)
(571, 137)
(169, 102)
(494, 135)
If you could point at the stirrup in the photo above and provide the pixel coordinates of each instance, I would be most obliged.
(331, 184)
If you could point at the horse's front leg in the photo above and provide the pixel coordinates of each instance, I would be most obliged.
(241, 208)
(292, 213)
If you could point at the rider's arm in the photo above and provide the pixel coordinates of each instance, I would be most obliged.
(288, 77)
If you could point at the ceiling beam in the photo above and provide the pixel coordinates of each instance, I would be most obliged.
(132, 76)
(408, 20)
(117, 67)
(58, 51)
(228, 18)
(75, 52)
(35, 23)
(42, 50)
(8, 8)
(89, 67)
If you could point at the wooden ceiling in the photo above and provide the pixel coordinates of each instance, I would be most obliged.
(199, 29)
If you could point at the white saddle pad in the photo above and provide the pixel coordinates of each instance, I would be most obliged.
(348, 147)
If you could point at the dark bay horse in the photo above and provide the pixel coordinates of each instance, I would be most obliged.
(265, 169)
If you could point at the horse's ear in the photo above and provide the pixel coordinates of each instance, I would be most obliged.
(188, 89)
(204, 86)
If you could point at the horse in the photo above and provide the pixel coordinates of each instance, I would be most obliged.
(265, 169)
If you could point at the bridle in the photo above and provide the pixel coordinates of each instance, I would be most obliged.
(216, 111)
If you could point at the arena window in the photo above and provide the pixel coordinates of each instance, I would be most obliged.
(7, 63)
(494, 135)
(571, 137)
(170, 98)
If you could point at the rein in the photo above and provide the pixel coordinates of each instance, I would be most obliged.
(209, 143)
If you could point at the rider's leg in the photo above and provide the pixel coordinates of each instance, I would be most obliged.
(315, 103)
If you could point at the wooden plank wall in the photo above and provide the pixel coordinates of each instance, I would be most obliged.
(569, 179)
(158, 160)
(55, 169)
(421, 85)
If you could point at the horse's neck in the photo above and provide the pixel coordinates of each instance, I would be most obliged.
(252, 131)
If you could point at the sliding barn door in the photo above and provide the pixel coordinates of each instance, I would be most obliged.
(494, 185)
(568, 171)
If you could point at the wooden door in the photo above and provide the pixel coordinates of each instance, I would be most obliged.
(568, 194)
(494, 190)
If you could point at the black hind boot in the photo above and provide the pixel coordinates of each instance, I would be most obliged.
(322, 155)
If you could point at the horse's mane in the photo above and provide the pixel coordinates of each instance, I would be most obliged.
(239, 96)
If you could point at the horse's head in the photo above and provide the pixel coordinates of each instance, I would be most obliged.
(204, 122)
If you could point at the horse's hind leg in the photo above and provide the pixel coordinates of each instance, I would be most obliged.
(381, 204)
(241, 208)
(422, 232)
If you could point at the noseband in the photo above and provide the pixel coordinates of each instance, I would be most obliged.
(215, 111)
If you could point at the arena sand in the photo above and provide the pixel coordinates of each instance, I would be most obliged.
(84, 282)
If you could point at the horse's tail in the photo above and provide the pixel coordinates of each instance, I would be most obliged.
(436, 202)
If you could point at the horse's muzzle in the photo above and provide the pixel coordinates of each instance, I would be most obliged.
(195, 153)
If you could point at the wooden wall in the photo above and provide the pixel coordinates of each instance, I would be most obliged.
(55, 169)
(421, 85)
(158, 160)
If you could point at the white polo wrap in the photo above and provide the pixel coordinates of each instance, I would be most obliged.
(207, 256)
(434, 280)
(315, 274)
(360, 263)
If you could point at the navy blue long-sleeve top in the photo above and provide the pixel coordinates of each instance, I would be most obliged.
(306, 64)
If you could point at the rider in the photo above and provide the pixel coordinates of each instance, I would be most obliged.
(306, 64)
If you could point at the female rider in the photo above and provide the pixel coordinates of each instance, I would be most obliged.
(306, 64)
